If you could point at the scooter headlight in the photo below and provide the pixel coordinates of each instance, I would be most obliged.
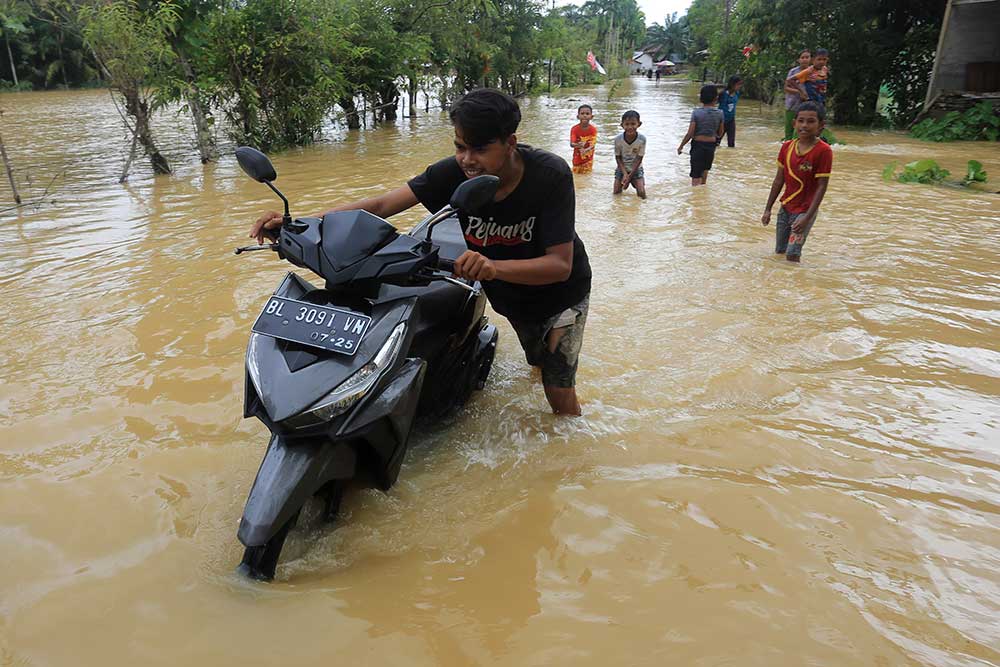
(356, 387)
(252, 366)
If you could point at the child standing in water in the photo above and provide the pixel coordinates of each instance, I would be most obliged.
(703, 132)
(630, 147)
(583, 140)
(727, 102)
(804, 167)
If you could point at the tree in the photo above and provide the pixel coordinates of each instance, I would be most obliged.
(871, 42)
(621, 26)
(8, 167)
(184, 81)
(13, 23)
(133, 48)
(671, 38)
(278, 67)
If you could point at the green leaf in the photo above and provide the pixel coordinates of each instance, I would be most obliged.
(921, 166)
(974, 173)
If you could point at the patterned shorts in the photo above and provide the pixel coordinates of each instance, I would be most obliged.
(559, 367)
(636, 175)
(788, 242)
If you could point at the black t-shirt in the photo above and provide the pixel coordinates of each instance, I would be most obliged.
(538, 214)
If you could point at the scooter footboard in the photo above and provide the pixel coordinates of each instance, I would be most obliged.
(290, 473)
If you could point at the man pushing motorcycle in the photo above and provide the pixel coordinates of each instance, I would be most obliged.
(523, 247)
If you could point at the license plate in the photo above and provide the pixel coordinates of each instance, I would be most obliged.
(333, 329)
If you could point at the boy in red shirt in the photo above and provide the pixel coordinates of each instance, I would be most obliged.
(583, 139)
(804, 167)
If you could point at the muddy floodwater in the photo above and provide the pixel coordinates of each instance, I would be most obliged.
(777, 465)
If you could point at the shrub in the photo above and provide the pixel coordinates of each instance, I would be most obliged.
(979, 122)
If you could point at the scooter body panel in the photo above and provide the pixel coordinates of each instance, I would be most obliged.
(440, 360)
(291, 472)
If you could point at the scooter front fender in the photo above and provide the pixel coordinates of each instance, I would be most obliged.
(290, 473)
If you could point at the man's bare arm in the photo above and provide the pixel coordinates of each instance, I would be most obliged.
(555, 266)
(384, 206)
(776, 184)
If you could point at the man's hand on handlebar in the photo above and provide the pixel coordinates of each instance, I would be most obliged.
(266, 225)
(473, 266)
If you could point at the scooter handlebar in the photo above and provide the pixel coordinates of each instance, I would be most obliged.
(445, 264)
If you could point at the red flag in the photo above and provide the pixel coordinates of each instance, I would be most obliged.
(594, 64)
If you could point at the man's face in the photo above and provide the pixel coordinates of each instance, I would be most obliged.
(808, 124)
(479, 160)
(631, 126)
(584, 115)
(804, 59)
(820, 61)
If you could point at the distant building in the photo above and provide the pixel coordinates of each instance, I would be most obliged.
(642, 61)
(967, 64)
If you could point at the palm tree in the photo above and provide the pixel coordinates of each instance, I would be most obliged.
(673, 37)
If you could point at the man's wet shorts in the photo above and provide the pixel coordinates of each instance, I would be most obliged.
(558, 367)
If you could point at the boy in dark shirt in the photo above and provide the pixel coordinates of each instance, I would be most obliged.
(523, 246)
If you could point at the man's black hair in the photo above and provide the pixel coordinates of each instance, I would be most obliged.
(585, 106)
(733, 80)
(709, 93)
(631, 113)
(820, 52)
(812, 106)
(485, 115)
(806, 50)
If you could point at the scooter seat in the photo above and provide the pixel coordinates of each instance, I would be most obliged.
(440, 302)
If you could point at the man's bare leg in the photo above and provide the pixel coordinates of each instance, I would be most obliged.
(640, 187)
(563, 400)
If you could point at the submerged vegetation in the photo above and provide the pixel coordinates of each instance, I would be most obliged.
(928, 171)
(980, 122)
(275, 70)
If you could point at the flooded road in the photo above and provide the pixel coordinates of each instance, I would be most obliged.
(777, 465)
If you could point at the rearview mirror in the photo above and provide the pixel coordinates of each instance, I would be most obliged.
(474, 193)
(255, 164)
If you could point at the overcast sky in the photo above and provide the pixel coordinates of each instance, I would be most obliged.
(655, 10)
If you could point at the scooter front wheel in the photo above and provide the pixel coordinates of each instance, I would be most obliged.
(260, 562)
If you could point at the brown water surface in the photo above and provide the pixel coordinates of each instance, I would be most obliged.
(778, 464)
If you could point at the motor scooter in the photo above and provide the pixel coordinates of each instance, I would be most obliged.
(339, 373)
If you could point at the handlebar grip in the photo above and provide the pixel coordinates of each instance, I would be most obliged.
(446, 264)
